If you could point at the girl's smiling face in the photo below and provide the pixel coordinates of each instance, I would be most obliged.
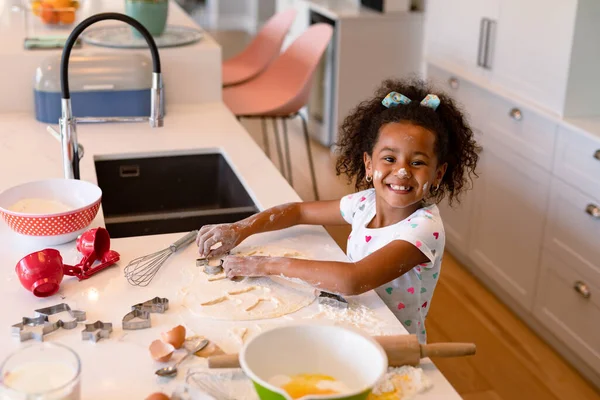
(404, 165)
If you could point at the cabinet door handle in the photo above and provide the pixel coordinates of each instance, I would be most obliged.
(582, 289)
(489, 40)
(597, 155)
(483, 28)
(516, 114)
(454, 84)
(593, 210)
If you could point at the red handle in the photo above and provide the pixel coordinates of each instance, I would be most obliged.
(109, 259)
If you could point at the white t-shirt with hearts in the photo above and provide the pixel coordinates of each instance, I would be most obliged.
(408, 296)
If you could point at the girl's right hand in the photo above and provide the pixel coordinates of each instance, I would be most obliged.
(229, 235)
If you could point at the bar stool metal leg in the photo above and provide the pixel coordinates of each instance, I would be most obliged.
(278, 144)
(265, 137)
(286, 144)
(309, 154)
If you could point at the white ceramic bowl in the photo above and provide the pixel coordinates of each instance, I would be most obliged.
(347, 355)
(51, 211)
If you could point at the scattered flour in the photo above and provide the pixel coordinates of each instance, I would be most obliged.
(356, 314)
(401, 383)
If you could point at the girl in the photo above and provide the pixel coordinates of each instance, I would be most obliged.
(406, 149)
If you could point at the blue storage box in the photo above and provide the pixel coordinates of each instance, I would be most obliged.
(100, 85)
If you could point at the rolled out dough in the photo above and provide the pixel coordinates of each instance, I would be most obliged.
(251, 298)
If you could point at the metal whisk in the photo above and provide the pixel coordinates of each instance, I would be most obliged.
(140, 271)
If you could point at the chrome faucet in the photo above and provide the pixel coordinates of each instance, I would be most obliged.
(68, 133)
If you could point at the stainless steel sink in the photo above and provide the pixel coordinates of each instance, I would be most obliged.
(166, 194)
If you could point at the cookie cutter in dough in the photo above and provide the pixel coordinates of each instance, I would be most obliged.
(136, 319)
(77, 316)
(97, 330)
(333, 300)
(155, 305)
(210, 269)
(41, 321)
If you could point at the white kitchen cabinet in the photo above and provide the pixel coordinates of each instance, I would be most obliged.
(455, 31)
(567, 303)
(577, 160)
(522, 130)
(508, 222)
(531, 49)
(573, 228)
(538, 53)
(457, 223)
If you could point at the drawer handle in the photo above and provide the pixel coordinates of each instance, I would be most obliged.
(597, 155)
(582, 289)
(129, 171)
(593, 210)
(454, 84)
(516, 114)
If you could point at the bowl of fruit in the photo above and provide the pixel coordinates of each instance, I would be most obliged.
(55, 12)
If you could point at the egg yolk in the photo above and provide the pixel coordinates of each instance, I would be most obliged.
(307, 384)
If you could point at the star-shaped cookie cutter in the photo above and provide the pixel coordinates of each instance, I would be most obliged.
(155, 305)
(77, 316)
(143, 320)
(40, 322)
(96, 331)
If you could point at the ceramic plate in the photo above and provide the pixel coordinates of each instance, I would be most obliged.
(122, 37)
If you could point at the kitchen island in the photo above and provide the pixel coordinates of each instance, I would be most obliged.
(121, 367)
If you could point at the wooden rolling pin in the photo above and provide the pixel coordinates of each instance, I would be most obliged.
(400, 350)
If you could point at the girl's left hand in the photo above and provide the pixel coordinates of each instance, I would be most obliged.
(251, 266)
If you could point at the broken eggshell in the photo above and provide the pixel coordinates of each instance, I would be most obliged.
(161, 351)
(175, 336)
(158, 396)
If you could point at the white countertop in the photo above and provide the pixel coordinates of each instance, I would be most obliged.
(191, 73)
(121, 367)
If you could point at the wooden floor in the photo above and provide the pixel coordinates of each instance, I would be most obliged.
(511, 362)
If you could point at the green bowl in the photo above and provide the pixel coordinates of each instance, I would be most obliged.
(345, 354)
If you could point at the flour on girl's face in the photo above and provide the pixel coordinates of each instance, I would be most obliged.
(377, 175)
(401, 173)
(425, 187)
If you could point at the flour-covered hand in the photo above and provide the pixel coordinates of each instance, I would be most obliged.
(252, 266)
(229, 235)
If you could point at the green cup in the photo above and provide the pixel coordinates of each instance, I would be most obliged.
(150, 13)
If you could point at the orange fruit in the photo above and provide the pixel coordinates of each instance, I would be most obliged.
(36, 8)
(59, 4)
(67, 17)
(49, 16)
(75, 4)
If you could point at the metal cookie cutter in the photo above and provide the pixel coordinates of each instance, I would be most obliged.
(96, 331)
(208, 268)
(136, 319)
(41, 324)
(76, 315)
(155, 305)
(332, 300)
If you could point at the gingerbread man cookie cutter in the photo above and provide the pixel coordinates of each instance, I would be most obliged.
(76, 315)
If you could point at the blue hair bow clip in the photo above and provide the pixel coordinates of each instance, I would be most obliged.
(393, 99)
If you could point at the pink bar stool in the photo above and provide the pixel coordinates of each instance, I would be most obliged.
(262, 51)
(283, 89)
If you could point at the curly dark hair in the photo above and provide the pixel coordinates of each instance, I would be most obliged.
(455, 143)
